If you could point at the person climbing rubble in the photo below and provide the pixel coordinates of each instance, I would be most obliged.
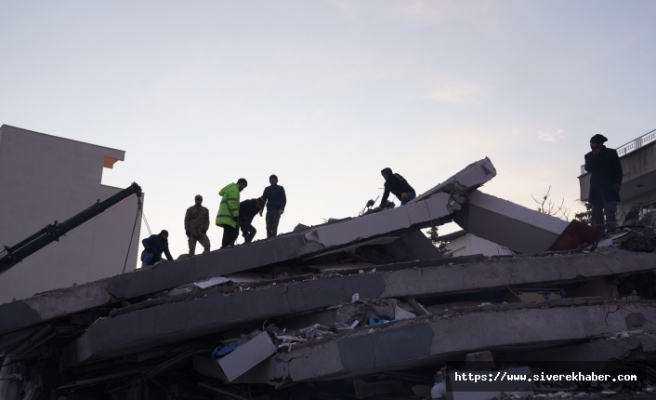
(605, 182)
(197, 221)
(154, 246)
(248, 209)
(228, 214)
(397, 185)
(275, 198)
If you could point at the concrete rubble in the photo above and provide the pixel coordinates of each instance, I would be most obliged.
(357, 308)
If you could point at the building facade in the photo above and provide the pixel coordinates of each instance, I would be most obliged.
(44, 179)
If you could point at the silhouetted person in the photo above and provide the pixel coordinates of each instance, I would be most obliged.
(605, 182)
(248, 209)
(197, 221)
(397, 185)
(154, 246)
(276, 200)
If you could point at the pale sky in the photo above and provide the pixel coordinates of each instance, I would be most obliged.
(325, 94)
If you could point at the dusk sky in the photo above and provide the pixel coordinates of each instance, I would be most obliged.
(325, 94)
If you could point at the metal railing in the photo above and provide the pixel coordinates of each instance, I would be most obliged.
(633, 145)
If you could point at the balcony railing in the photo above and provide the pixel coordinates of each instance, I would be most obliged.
(631, 146)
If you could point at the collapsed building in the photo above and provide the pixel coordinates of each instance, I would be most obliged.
(357, 308)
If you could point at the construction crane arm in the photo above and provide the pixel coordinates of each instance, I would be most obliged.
(11, 256)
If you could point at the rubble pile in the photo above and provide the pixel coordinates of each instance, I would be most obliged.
(642, 234)
(358, 308)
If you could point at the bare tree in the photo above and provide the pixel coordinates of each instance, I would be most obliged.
(547, 206)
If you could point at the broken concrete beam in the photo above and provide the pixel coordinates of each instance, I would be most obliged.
(415, 343)
(213, 311)
(508, 224)
(53, 304)
(417, 215)
(323, 238)
(469, 178)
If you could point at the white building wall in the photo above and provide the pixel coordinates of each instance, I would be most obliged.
(470, 244)
(46, 178)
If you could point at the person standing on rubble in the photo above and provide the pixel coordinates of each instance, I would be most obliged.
(197, 221)
(397, 185)
(153, 248)
(248, 209)
(605, 182)
(275, 198)
(228, 215)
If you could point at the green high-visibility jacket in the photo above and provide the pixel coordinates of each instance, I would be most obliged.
(229, 208)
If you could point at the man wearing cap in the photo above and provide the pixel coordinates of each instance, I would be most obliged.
(605, 182)
(275, 199)
(228, 215)
(197, 221)
(153, 248)
(248, 209)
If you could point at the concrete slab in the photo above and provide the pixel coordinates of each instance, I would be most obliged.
(428, 341)
(397, 219)
(46, 306)
(212, 312)
(508, 224)
(247, 356)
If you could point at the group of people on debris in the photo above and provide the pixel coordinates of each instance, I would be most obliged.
(234, 215)
(602, 163)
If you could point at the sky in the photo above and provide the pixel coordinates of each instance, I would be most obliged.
(325, 94)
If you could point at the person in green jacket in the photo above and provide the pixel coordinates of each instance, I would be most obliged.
(228, 215)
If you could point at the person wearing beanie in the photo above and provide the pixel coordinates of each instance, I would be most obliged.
(396, 184)
(196, 222)
(153, 248)
(605, 182)
(274, 196)
(228, 215)
(248, 209)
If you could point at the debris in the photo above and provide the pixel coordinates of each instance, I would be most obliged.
(438, 391)
(400, 313)
(365, 390)
(211, 282)
(326, 288)
(479, 361)
(223, 350)
(178, 291)
(256, 348)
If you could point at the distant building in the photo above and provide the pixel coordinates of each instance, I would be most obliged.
(462, 243)
(45, 178)
(638, 158)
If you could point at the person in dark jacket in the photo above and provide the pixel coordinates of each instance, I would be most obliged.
(153, 248)
(275, 199)
(248, 209)
(397, 185)
(605, 182)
